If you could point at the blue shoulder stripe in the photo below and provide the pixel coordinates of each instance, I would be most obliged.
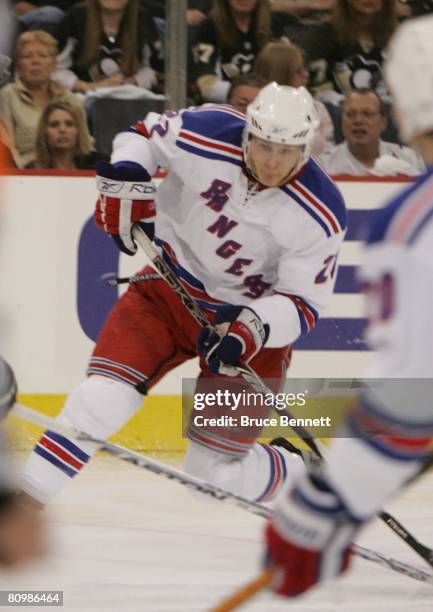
(382, 219)
(220, 124)
(318, 195)
(318, 182)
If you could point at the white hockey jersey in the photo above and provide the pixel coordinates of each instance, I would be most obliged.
(398, 278)
(230, 239)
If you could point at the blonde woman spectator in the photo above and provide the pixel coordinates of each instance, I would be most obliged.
(22, 102)
(63, 140)
(284, 63)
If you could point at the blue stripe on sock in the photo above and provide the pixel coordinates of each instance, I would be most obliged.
(68, 445)
(39, 450)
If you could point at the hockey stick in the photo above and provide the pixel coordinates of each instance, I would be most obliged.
(246, 592)
(130, 456)
(200, 486)
(256, 382)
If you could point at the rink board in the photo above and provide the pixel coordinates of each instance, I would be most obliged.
(54, 299)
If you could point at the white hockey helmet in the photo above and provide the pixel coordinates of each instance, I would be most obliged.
(284, 115)
(409, 73)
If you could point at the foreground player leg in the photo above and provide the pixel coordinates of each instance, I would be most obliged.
(229, 456)
(258, 474)
(134, 350)
(99, 406)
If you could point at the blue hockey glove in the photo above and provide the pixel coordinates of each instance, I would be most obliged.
(239, 334)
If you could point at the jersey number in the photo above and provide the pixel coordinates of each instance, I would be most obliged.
(161, 128)
(328, 270)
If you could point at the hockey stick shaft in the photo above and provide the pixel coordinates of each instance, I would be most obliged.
(136, 278)
(124, 454)
(246, 592)
(256, 382)
(146, 463)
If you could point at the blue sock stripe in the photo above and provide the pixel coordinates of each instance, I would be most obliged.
(272, 475)
(39, 450)
(68, 445)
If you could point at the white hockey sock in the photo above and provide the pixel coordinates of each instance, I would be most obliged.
(99, 406)
(259, 475)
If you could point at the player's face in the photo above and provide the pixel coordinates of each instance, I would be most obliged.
(270, 162)
(242, 96)
(62, 132)
(35, 63)
(361, 119)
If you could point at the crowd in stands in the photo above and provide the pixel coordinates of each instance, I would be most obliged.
(67, 54)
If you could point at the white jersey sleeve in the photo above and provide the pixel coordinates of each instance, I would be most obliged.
(307, 272)
(150, 142)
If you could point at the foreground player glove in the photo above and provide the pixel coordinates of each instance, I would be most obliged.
(8, 388)
(126, 197)
(239, 334)
(309, 538)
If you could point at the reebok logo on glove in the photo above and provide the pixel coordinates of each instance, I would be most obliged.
(105, 186)
(143, 188)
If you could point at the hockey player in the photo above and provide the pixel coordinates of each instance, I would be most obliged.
(309, 539)
(252, 226)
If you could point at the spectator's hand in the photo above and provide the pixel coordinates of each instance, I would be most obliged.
(130, 81)
(194, 17)
(112, 81)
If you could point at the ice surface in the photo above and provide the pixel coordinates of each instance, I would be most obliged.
(124, 540)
